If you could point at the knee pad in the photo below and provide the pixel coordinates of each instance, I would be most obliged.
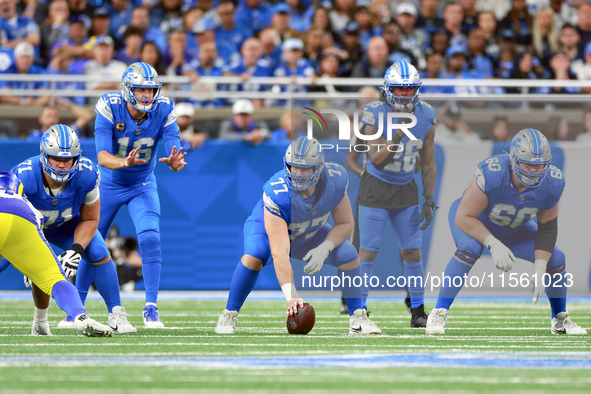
(149, 242)
(557, 263)
(466, 256)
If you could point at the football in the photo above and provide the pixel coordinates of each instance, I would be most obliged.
(302, 322)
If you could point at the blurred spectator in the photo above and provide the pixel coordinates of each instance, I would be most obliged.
(582, 69)
(568, 42)
(563, 14)
(167, 15)
(81, 8)
(428, 19)
(228, 32)
(126, 257)
(368, 28)
(544, 36)
(100, 22)
(243, 127)
(433, 69)
(453, 15)
(488, 26)
(584, 26)
(203, 30)
(523, 68)
(375, 63)
(294, 65)
(208, 64)
(342, 13)
(456, 68)
(17, 27)
(150, 53)
(440, 42)
(352, 45)
(499, 8)
(500, 129)
(49, 116)
(321, 19)
(558, 129)
(477, 59)
(132, 46)
(507, 51)
(24, 53)
(313, 45)
(61, 64)
(280, 22)
(470, 15)
(271, 47)
(301, 15)
(413, 40)
(453, 129)
(585, 136)
(140, 18)
(254, 13)
(76, 42)
(103, 65)
(519, 21)
(381, 10)
(186, 121)
(120, 18)
(290, 126)
(391, 33)
(176, 56)
(55, 28)
(560, 70)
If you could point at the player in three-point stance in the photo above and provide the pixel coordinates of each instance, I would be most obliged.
(497, 211)
(291, 220)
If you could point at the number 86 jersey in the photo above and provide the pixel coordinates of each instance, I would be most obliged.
(303, 216)
(508, 208)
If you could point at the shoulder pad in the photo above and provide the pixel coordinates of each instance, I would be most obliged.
(103, 107)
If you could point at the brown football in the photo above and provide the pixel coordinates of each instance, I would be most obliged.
(303, 321)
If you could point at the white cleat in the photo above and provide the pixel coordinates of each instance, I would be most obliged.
(152, 317)
(436, 322)
(118, 321)
(40, 328)
(227, 322)
(68, 322)
(359, 323)
(92, 328)
(562, 324)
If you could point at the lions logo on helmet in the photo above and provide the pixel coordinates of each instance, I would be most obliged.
(62, 142)
(402, 75)
(303, 153)
(141, 75)
(529, 146)
(10, 183)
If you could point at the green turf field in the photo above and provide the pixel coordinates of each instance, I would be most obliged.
(489, 346)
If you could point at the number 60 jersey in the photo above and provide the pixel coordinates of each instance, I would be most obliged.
(118, 133)
(508, 209)
(304, 217)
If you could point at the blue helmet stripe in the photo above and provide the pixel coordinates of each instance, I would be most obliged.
(65, 138)
(537, 146)
(147, 71)
(301, 148)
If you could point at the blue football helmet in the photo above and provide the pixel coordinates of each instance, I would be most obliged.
(10, 183)
(402, 74)
(531, 147)
(303, 153)
(60, 141)
(140, 75)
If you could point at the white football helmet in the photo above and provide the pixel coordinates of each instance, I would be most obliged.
(531, 147)
(402, 74)
(60, 141)
(303, 153)
(140, 75)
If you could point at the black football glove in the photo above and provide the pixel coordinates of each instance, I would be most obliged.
(70, 260)
(427, 213)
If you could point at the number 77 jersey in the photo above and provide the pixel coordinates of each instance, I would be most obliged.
(118, 133)
(508, 208)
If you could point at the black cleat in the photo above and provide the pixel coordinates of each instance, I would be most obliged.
(408, 304)
(419, 317)
(344, 307)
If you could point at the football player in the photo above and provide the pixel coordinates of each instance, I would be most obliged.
(64, 187)
(388, 190)
(23, 244)
(128, 127)
(291, 220)
(497, 211)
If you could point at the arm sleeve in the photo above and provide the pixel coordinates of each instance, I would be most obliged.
(103, 134)
(171, 136)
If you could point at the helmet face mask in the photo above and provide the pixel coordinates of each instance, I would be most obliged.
(402, 75)
(60, 141)
(303, 153)
(530, 147)
(10, 183)
(140, 76)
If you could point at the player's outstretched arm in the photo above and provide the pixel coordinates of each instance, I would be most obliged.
(176, 160)
(429, 171)
(278, 234)
(112, 162)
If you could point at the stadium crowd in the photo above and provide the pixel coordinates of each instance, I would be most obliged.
(465, 39)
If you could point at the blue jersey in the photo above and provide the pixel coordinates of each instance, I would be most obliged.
(304, 216)
(118, 133)
(63, 210)
(401, 169)
(508, 209)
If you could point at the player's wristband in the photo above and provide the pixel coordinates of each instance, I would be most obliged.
(289, 291)
(77, 248)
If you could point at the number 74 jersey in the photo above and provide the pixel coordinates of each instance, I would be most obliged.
(118, 133)
(508, 208)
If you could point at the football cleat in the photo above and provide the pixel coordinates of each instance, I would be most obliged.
(92, 328)
(419, 317)
(436, 322)
(359, 323)
(344, 308)
(68, 322)
(562, 324)
(408, 304)
(227, 322)
(152, 317)
(118, 321)
(40, 328)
